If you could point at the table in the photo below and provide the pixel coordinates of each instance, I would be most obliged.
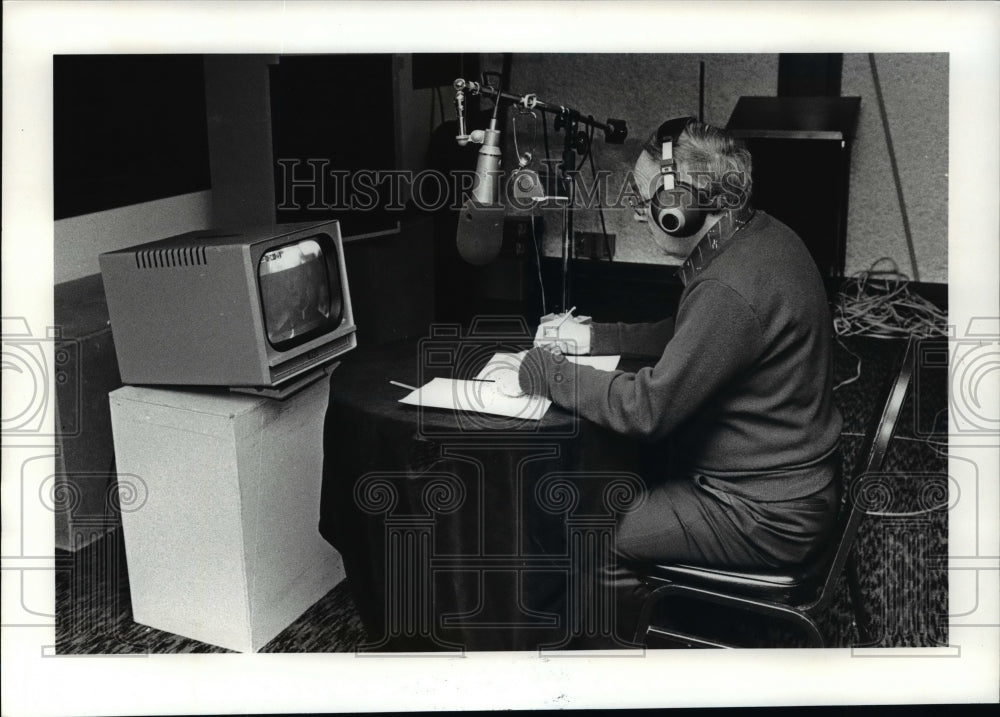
(462, 531)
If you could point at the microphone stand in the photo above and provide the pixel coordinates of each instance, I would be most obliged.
(567, 167)
(575, 141)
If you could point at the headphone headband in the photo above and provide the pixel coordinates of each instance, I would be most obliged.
(670, 130)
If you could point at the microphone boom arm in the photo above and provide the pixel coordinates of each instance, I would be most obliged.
(615, 130)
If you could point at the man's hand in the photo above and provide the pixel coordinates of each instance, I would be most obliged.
(507, 381)
(504, 374)
(571, 335)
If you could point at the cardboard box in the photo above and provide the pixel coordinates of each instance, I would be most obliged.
(220, 506)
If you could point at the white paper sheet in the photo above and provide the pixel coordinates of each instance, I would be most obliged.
(477, 396)
(483, 396)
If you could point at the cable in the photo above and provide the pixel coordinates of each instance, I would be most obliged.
(878, 302)
(857, 371)
(523, 160)
(857, 368)
(545, 141)
(440, 98)
(701, 90)
(538, 261)
(589, 132)
(433, 108)
(895, 167)
(600, 211)
(499, 88)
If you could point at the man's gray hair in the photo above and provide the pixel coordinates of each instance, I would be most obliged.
(708, 155)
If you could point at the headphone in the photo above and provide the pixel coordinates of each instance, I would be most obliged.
(678, 209)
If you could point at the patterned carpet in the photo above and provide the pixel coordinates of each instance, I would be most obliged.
(94, 614)
(903, 580)
(902, 544)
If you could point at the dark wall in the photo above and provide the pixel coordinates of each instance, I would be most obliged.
(645, 89)
(336, 112)
(237, 99)
(127, 129)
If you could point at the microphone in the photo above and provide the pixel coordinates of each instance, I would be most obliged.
(480, 224)
(487, 165)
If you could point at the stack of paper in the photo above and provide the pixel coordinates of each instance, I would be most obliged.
(478, 396)
(483, 395)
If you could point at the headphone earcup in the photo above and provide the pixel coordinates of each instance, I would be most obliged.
(674, 212)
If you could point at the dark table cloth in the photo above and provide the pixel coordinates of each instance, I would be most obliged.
(460, 530)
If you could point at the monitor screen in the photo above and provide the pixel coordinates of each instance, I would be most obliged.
(300, 296)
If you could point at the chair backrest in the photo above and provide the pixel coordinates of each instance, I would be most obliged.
(871, 460)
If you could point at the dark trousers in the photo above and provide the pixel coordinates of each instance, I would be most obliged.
(691, 521)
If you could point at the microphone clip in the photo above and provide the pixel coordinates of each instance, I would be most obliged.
(463, 136)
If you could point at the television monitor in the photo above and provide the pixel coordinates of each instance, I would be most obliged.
(259, 310)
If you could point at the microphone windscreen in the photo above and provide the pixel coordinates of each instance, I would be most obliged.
(480, 232)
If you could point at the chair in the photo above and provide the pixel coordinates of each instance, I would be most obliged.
(794, 595)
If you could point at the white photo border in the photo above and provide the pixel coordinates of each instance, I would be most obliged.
(34, 683)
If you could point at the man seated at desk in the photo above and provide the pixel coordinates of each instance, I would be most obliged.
(742, 388)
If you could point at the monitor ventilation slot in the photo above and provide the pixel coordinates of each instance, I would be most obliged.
(170, 258)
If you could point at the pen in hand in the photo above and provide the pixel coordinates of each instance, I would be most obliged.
(414, 388)
(565, 316)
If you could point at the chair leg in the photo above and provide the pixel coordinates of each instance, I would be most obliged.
(810, 627)
(787, 615)
(861, 617)
(645, 616)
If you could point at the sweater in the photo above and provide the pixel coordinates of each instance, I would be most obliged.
(743, 384)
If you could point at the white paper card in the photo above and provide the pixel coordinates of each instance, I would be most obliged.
(477, 396)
